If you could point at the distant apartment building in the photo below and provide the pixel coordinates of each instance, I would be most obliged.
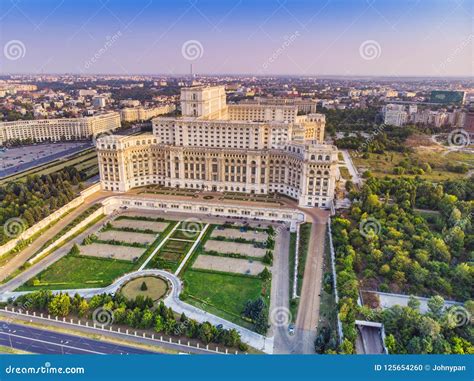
(138, 114)
(395, 115)
(40, 130)
(469, 123)
(218, 147)
(99, 102)
(303, 105)
(87, 92)
(130, 103)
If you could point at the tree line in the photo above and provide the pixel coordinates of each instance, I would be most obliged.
(138, 313)
(384, 243)
(36, 198)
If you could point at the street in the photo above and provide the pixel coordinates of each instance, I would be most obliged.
(42, 341)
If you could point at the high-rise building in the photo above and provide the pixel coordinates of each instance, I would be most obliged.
(99, 102)
(218, 147)
(40, 130)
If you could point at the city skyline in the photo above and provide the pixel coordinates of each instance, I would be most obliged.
(353, 39)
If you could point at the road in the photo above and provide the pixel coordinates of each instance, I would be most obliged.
(173, 301)
(43, 160)
(47, 261)
(356, 179)
(19, 259)
(280, 293)
(41, 341)
(308, 311)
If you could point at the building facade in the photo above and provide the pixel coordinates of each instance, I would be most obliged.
(136, 114)
(40, 130)
(207, 149)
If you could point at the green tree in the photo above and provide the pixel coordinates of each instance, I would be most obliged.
(436, 305)
(60, 305)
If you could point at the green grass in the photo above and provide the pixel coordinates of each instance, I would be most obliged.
(69, 226)
(328, 308)
(291, 264)
(305, 233)
(381, 165)
(86, 272)
(189, 235)
(345, 173)
(79, 272)
(222, 294)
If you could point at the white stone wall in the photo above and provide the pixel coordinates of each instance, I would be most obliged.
(66, 236)
(52, 217)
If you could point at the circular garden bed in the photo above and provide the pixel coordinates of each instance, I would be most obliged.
(152, 286)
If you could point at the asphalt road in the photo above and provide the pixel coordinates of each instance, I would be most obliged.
(43, 160)
(20, 258)
(41, 341)
(308, 311)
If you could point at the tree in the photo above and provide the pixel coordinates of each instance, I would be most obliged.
(159, 326)
(347, 348)
(391, 344)
(414, 303)
(147, 319)
(265, 274)
(60, 305)
(143, 287)
(205, 332)
(436, 305)
(75, 250)
(83, 308)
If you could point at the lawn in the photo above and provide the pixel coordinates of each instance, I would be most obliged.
(156, 288)
(78, 272)
(305, 233)
(383, 164)
(345, 173)
(222, 294)
(186, 234)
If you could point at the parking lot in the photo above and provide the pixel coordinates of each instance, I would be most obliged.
(17, 159)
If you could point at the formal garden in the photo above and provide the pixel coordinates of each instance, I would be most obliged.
(98, 260)
(232, 283)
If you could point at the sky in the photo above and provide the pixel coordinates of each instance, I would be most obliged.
(262, 37)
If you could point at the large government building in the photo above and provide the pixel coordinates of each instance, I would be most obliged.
(253, 148)
(41, 130)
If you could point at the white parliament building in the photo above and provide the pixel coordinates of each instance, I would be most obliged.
(252, 148)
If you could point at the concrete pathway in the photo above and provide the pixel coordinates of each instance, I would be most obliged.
(356, 179)
(160, 245)
(193, 247)
(47, 261)
(21, 257)
(172, 300)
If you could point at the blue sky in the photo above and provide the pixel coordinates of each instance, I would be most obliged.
(301, 37)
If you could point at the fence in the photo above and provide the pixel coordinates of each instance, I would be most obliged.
(297, 258)
(130, 333)
(334, 280)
